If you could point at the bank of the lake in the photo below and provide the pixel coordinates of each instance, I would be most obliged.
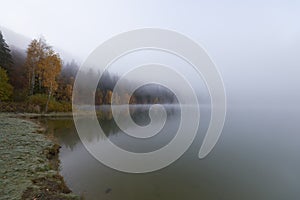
(28, 161)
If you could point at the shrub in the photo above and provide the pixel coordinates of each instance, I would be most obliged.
(54, 106)
(38, 100)
(6, 89)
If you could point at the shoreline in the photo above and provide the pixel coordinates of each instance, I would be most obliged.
(29, 161)
(35, 115)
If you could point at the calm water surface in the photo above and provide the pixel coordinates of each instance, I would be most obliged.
(257, 157)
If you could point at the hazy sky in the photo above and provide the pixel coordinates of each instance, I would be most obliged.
(78, 26)
(248, 40)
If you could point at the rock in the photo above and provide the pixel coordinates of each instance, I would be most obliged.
(108, 190)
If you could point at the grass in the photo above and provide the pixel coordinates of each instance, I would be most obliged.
(26, 159)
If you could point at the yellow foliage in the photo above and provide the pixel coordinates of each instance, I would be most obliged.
(42, 64)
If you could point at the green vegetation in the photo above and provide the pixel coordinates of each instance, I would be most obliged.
(6, 89)
(41, 100)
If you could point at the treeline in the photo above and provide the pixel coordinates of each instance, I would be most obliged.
(39, 81)
(148, 94)
(35, 80)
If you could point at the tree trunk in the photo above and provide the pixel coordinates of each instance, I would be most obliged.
(48, 100)
(32, 82)
(40, 85)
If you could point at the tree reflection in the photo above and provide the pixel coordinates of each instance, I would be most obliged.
(64, 131)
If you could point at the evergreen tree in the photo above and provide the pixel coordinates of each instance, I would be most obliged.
(5, 56)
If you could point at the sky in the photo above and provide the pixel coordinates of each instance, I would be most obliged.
(247, 40)
(80, 26)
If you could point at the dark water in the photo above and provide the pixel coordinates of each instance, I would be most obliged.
(257, 157)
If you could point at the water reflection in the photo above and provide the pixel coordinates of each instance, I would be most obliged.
(63, 128)
(257, 157)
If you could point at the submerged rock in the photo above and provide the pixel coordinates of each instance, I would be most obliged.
(108, 190)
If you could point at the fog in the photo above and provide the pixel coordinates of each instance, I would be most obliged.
(254, 44)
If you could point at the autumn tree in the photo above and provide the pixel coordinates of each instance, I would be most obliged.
(6, 89)
(43, 68)
(6, 60)
(65, 89)
(35, 54)
(99, 97)
(132, 100)
(49, 69)
(108, 97)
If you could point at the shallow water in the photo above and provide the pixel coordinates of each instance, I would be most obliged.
(257, 157)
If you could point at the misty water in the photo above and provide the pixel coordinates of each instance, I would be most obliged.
(257, 157)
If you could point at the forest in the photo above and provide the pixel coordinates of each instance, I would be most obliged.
(39, 81)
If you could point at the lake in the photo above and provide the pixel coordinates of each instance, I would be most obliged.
(257, 157)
